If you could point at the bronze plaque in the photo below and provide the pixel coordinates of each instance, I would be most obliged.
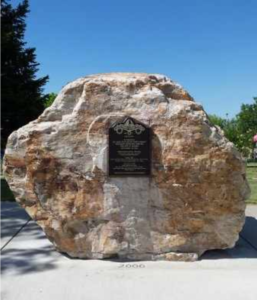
(129, 148)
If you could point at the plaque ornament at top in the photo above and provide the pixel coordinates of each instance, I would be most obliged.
(129, 148)
(129, 126)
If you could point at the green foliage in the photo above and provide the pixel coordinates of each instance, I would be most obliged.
(247, 124)
(241, 129)
(229, 127)
(22, 91)
(49, 99)
(218, 121)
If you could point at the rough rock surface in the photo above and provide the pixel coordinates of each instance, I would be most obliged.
(57, 168)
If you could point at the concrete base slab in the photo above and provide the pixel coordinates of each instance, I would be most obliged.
(32, 269)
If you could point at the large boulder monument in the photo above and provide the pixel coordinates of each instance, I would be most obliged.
(128, 165)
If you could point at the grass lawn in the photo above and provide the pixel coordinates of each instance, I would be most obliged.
(6, 194)
(251, 173)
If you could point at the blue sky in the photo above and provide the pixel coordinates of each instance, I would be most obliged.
(208, 46)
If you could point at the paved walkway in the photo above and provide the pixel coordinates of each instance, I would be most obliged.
(32, 269)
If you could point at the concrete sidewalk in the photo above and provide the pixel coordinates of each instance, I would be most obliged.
(32, 269)
(13, 219)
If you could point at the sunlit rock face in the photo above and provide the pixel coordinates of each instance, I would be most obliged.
(193, 201)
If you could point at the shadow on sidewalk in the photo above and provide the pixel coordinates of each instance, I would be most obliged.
(13, 217)
(23, 261)
(25, 246)
(246, 246)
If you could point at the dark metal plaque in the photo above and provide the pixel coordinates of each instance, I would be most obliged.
(129, 148)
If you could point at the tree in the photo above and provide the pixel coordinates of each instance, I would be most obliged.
(229, 127)
(22, 92)
(50, 99)
(247, 125)
(241, 129)
(218, 121)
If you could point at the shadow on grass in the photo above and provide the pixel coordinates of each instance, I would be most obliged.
(6, 193)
